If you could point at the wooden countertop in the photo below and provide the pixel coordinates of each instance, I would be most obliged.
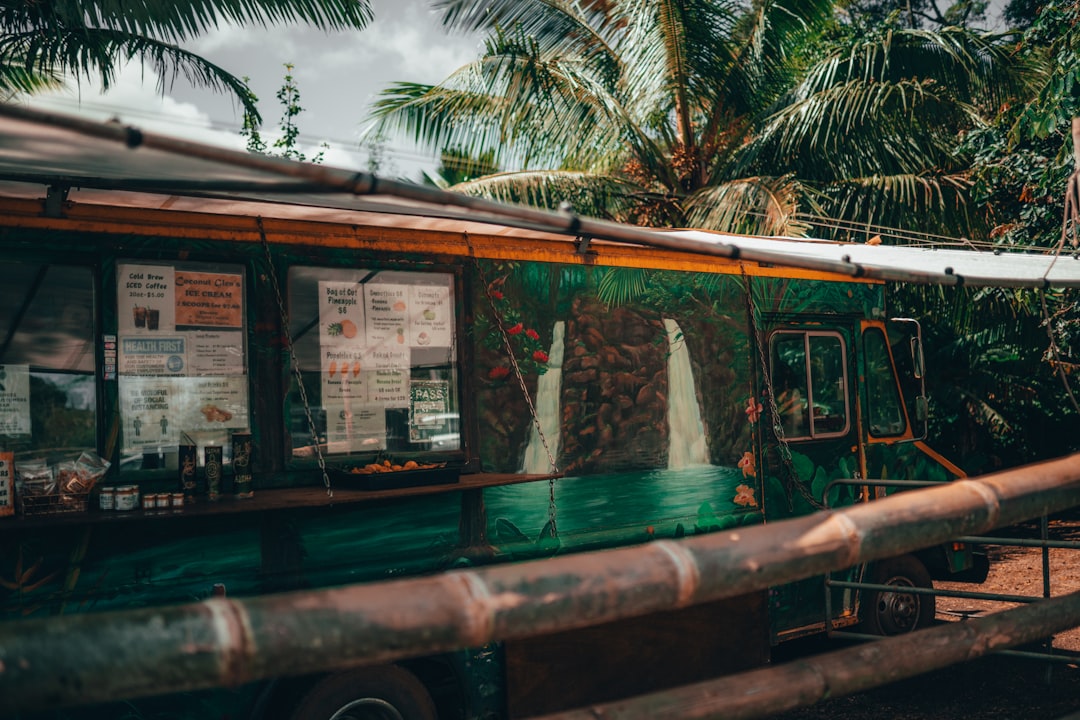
(345, 491)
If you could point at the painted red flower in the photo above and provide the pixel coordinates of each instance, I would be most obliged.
(540, 356)
(498, 372)
(746, 463)
(532, 334)
(744, 495)
(497, 294)
(753, 410)
(515, 329)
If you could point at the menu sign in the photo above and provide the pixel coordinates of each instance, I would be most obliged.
(431, 319)
(14, 399)
(146, 299)
(341, 313)
(157, 410)
(179, 322)
(387, 310)
(209, 300)
(179, 352)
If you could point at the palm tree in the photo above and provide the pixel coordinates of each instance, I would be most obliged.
(42, 41)
(713, 113)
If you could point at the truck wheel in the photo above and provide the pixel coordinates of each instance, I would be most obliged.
(378, 693)
(895, 612)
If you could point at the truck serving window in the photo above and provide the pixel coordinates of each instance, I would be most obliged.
(809, 377)
(377, 353)
(48, 397)
(182, 360)
(884, 410)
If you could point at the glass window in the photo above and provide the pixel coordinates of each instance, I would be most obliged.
(182, 358)
(809, 377)
(48, 397)
(884, 409)
(377, 353)
(790, 384)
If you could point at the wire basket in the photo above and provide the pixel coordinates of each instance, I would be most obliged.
(53, 503)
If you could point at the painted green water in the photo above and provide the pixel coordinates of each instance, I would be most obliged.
(602, 510)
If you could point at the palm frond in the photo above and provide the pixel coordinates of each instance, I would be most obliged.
(932, 202)
(587, 193)
(15, 79)
(177, 21)
(751, 206)
(966, 64)
(529, 108)
(856, 128)
(89, 53)
(619, 286)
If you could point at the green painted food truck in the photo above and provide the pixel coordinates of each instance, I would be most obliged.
(205, 392)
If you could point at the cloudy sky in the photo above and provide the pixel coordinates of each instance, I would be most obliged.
(338, 75)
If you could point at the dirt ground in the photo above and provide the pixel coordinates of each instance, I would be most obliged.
(993, 687)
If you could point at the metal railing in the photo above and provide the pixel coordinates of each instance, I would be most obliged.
(1043, 542)
(81, 659)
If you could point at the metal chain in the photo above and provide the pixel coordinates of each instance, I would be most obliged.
(552, 509)
(293, 359)
(784, 449)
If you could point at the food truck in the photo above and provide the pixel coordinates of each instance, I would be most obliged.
(219, 377)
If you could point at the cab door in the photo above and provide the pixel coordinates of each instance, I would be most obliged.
(812, 439)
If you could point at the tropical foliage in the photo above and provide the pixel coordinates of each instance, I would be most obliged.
(714, 113)
(1008, 390)
(42, 41)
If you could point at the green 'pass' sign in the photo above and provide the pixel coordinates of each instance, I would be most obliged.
(429, 409)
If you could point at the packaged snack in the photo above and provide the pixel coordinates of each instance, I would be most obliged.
(89, 468)
(34, 477)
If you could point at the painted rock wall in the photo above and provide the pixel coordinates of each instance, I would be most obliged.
(615, 386)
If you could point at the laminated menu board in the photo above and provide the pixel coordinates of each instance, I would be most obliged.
(179, 322)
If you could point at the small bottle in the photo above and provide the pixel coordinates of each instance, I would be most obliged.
(212, 457)
(187, 462)
(241, 464)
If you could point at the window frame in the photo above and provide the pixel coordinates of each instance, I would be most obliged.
(90, 266)
(812, 419)
(456, 368)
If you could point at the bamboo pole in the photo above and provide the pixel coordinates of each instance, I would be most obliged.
(81, 659)
(764, 692)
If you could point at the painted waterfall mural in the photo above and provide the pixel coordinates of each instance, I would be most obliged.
(629, 379)
(686, 444)
(546, 402)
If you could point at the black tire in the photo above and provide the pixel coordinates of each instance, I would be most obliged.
(885, 612)
(377, 693)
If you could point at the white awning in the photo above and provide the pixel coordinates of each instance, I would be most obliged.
(112, 164)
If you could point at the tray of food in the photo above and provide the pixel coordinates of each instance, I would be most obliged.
(389, 475)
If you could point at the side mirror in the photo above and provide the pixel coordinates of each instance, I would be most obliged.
(918, 362)
(922, 409)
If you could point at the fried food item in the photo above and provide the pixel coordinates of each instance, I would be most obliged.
(213, 413)
(387, 466)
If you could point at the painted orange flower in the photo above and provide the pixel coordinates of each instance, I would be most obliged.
(498, 372)
(753, 410)
(744, 495)
(746, 464)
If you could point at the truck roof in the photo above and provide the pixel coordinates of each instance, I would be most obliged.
(63, 157)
